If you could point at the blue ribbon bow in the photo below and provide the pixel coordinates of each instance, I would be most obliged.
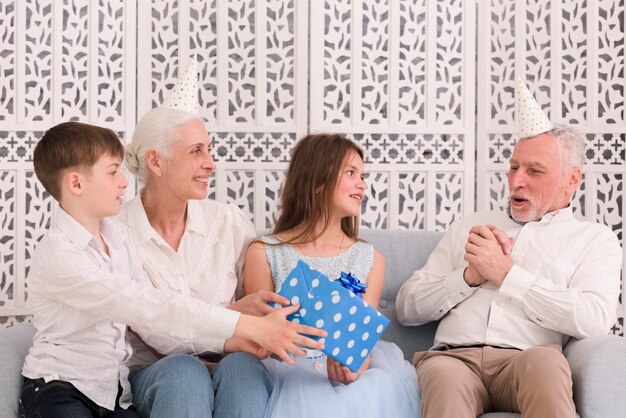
(350, 282)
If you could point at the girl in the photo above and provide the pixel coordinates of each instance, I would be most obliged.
(321, 203)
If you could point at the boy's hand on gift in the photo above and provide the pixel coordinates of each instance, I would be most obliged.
(278, 335)
(257, 303)
(235, 344)
(342, 374)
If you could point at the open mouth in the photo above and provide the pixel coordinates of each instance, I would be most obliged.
(357, 197)
(203, 180)
(517, 201)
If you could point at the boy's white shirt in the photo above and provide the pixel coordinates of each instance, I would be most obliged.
(207, 265)
(82, 299)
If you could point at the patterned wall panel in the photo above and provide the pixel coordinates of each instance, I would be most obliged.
(203, 40)
(395, 76)
(74, 59)
(253, 71)
(273, 185)
(7, 59)
(75, 54)
(411, 74)
(241, 63)
(412, 200)
(609, 58)
(571, 55)
(110, 105)
(39, 207)
(398, 76)
(376, 202)
(38, 61)
(8, 248)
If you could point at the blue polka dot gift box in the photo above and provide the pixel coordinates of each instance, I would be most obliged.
(353, 326)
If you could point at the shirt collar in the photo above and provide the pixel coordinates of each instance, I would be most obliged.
(195, 218)
(138, 222)
(78, 234)
(74, 231)
(559, 215)
(143, 231)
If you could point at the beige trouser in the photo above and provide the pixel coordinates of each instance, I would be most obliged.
(467, 382)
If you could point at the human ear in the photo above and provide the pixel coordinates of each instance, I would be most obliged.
(575, 178)
(153, 161)
(73, 184)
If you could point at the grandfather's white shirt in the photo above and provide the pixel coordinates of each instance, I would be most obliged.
(207, 264)
(82, 299)
(565, 282)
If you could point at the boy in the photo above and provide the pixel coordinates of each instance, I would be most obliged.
(86, 284)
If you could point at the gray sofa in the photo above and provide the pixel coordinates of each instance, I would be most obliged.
(598, 364)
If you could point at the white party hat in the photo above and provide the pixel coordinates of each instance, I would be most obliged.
(531, 120)
(184, 94)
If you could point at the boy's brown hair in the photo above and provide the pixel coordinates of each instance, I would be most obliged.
(72, 145)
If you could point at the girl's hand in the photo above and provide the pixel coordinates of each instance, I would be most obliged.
(342, 374)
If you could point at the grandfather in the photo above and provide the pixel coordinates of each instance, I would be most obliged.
(511, 288)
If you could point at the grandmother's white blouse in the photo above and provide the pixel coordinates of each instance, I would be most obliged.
(207, 265)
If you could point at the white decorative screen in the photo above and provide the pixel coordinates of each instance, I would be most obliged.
(425, 87)
(59, 60)
(252, 59)
(398, 77)
(571, 55)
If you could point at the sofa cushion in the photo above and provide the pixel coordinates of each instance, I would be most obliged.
(15, 344)
(404, 252)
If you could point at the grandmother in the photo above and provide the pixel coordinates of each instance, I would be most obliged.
(194, 246)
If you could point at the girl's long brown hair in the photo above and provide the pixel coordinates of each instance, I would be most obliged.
(309, 186)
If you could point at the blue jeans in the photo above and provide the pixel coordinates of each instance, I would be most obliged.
(59, 399)
(242, 387)
(179, 385)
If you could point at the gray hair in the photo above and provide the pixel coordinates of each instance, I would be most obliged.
(154, 130)
(571, 144)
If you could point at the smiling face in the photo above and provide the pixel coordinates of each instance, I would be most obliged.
(189, 164)
(538, 181)
(350, 189)
(103, 186)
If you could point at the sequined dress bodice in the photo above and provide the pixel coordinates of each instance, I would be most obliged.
(357, 259)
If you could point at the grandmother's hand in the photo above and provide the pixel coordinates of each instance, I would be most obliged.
(257, 303)
(238, 344)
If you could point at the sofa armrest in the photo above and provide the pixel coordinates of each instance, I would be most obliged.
(598, 367)
(14, 344)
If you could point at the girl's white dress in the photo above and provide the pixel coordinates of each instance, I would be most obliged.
(388, 388)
